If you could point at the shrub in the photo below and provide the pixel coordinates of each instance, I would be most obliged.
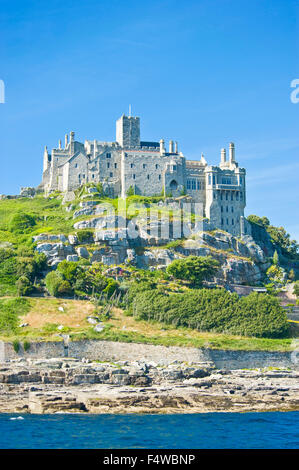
(194, 269)
(16, 345)
(24, 286)
(26, 345)
(296, 289)
(216, 310)
(85, 236)
(53, 281)
(21, 221)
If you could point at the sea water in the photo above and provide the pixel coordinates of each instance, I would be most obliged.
(186, 431)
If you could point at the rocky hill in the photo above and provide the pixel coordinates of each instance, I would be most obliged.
(141, 232)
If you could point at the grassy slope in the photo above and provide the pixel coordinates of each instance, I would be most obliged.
(44, 316)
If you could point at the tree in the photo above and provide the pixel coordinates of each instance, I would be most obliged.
(53, 282)
(24, 286)
(275, 258)
(296, 289)
(194, 269)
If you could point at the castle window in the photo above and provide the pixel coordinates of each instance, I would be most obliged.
(241, 196)
(226, 208)
(237, 196)
(233, 222)
(148, 177)
(214, 179)
(232, 209)
(221, 221)
(221, 196)
(188, 184)
(193, 184)
(227, 222)
(226, 196)
(108, 165)
(115, 165)
(108, 155)
(111, 175)
(157, 166)
(232, 196)
(144, 165)
(132, 165)
(198, 185)
(221, 208)
(76, 165)
(159, 177)
(241, 180)
(214, 195)
(134, 176)
(92, 175)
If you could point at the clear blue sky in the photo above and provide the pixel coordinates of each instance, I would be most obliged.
(202, 72)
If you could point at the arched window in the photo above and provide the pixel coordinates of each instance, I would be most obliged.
(173, 185)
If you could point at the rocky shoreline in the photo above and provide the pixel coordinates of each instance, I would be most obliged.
(70, 385)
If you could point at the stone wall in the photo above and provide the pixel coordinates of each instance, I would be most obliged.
(115, 351)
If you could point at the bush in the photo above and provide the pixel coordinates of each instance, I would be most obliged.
(16, 345)
(194, 269)
(216, 310)
(53, 281)
(24, 286)
(85, 236)
(26, 345)
(21, 221)
(296, 289)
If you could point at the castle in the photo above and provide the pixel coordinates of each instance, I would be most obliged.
(148, 168)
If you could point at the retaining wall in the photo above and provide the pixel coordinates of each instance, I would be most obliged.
(116, 351)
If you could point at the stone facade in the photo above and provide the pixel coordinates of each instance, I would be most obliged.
(147, 168)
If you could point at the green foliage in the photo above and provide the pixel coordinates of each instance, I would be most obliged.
(24, 286)
(278, 235)
(275, 258)
(131, 191)
(21, 221)
(214, 310)
(53, 281)
(296, 289)
(10, 309)
(194, 269)
(69, 270)
(85, 236)
(16, 345)
(26, 345)
(292, 275)
(275, 274)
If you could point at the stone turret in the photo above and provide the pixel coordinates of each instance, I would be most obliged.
(232, 153)
(47, 159)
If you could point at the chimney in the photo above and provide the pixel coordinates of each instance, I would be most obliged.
(66, 141)
(59, 144)
(95, 148)
(171, 146)
(72, 136)
(176, 147)
(162, 147)
(232, 152)
(223, 155)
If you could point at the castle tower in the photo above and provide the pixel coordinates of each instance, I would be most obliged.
(128, 131)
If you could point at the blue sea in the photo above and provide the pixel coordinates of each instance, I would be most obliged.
(186, 431)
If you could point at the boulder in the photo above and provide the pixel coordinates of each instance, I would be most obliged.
(82, 252)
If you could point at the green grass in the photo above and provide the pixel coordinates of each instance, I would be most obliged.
(10, 310)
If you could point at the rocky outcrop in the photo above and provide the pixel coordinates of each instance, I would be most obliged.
(69, 385)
